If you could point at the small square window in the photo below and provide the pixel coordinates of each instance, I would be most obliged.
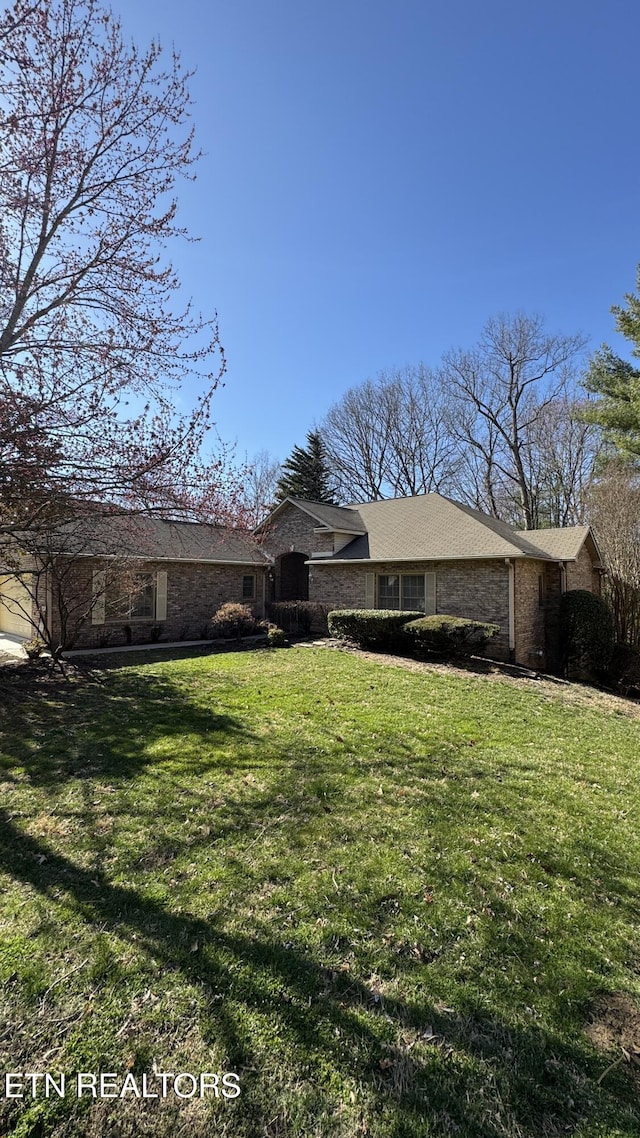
(249, 587)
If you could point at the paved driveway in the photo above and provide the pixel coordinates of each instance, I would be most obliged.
(12, 645)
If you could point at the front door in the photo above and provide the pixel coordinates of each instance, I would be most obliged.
(294, 577)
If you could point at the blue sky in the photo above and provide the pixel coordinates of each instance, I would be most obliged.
(382, 176)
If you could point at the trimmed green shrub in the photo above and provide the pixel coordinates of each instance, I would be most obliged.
(449, 635)
(586, 634)
(234, 620)
(624, 667)
(275, 637)
(300, 616)
(377, 629)
(34, 647)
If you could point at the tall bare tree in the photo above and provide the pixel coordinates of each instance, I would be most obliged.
(355, 438)
(503, 388)
(259, 486)
(94, 135)
(561, 454)
(390, 436)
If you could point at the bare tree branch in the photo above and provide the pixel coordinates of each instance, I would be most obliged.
(504, 385)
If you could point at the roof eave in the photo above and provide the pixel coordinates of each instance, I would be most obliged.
(517, 553)
(153, 557)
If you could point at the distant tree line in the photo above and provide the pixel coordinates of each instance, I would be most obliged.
(499, 426)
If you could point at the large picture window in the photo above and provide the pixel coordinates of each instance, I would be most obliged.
(406, 591)
(136, 601)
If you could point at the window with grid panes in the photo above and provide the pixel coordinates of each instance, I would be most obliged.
(389, 591)
(412, 585)
(401, 591)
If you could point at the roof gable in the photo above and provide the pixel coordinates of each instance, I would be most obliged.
(343, 519)
(564, 543)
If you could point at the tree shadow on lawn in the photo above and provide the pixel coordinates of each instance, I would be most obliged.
(426, 1068)
(56, 737)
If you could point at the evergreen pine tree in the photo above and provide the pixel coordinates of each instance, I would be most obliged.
(305, 474)
(617, 382)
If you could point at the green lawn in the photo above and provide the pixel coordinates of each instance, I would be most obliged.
(388, 900)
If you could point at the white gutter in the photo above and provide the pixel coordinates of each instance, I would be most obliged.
(382, 560)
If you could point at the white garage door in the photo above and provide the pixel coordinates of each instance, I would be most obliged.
(15, 603)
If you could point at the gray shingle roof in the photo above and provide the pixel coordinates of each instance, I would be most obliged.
(429, 527)
(561, 544)
(155, 539)
(334, 517)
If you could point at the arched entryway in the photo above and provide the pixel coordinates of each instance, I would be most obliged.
(292, 577)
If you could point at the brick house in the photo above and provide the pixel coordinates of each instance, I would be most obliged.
(128, 580)
(427, 553)
(436, 555)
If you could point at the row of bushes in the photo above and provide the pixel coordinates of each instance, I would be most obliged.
(586, 633)
(378, 629)
(385, 630)
(293, 617)
(299, 617)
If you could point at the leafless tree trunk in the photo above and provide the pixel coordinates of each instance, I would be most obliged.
(94, 137)
(259, 486)
(355, 434)
(560, 457)
(503, 387)
(390, 437)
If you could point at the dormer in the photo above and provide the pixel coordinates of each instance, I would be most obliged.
(330, 541)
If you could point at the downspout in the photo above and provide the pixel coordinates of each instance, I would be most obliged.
(48, 609)
(512, 608)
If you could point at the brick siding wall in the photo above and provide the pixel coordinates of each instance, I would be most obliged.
(290, 532)
(476, 589)
(194, 591)
(529, 632)
(536, 632)
(581, 574)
